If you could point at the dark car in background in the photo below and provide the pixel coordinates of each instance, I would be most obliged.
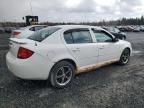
(136, 29)
(9, 29)
(2, 30)
(126, 28)
(142, 28)
(116, 32)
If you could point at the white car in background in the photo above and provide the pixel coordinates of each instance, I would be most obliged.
(26, 31)
(58, 53)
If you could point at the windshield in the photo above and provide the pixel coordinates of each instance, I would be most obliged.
(43, 34)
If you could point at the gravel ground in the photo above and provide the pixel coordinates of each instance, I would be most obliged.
(111, 86)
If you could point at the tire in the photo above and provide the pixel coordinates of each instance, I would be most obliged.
(125, 56)
(62, 74)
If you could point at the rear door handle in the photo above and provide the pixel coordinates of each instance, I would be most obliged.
(76, 49)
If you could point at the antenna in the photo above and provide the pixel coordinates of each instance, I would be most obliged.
(35, 44)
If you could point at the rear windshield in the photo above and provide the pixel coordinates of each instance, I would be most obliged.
(43, 34)
(23, 28)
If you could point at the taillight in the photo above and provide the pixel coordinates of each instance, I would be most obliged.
(16, 33)
(24, 53)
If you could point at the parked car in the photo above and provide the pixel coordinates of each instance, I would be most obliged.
(2, 30)
(9, 29)
(142, 28)
(136, 29)
(58, 53)
(26, 31)
(116, 32)
(126, 28)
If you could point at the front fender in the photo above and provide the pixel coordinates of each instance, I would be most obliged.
(126, 45)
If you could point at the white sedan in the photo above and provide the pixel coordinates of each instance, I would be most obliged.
(26, 31)
(58, 53)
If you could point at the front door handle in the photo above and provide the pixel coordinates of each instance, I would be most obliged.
(101, 47)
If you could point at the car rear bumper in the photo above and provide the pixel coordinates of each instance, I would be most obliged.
(34, 68)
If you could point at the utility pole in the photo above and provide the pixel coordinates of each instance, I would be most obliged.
(30, 3)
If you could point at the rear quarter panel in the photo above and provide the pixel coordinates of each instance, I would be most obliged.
(55, 48)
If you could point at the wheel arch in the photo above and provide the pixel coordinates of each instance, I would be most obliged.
(73, 62)
(126, 46)
(68, 60)
(128, 49)
(121, 62)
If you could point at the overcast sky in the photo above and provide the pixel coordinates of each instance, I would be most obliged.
(70, 10)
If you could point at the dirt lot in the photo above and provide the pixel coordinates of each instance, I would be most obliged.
(112, 86)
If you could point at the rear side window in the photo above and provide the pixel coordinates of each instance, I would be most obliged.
(39, 28)
(68, 38)
(36, 28)
(77, 36)
(43, 34)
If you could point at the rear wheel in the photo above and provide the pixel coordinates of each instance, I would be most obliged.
(62, 74)
(125, 56)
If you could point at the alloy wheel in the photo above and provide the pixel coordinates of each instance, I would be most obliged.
(63, 75)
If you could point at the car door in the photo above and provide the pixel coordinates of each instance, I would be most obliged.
(108, 50)
(79, 43)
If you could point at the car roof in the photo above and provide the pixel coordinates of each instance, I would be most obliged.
(76, 26)
(36, 25)
(28, 27)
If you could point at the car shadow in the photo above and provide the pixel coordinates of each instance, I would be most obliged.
(89, 79)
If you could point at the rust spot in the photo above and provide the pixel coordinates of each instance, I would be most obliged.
(92, 67)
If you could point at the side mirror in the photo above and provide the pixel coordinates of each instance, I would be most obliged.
(115, 39)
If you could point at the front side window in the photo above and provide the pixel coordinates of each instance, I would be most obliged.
(43, 34)
(78, 36)
(102, 36)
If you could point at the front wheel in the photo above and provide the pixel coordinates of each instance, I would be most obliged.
(125, 56)
(62, 74)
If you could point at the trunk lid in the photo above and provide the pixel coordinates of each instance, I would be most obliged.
(15, 43)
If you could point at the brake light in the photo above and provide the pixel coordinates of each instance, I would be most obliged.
(24, 53)
(16, 33)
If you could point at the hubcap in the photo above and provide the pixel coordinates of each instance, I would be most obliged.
(125, 57)
(63, 75)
